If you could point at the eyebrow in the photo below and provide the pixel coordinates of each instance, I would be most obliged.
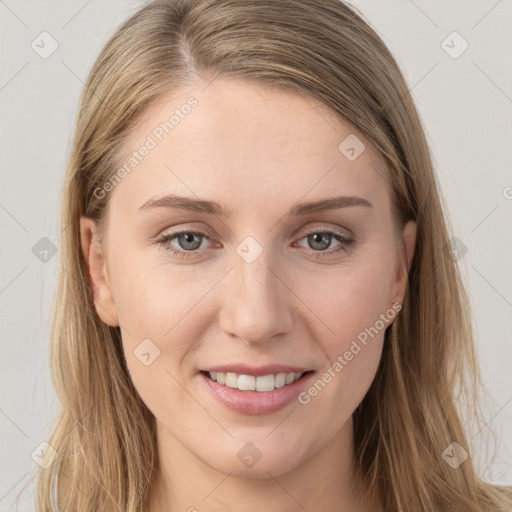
(213, 208)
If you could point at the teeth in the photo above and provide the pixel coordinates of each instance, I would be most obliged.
(252, 383)
(280, 380)
(246, 383)
(231, 380)
(265, 383)
(289, 378)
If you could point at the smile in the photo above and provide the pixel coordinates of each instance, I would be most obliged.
(255, 395)
(251, 383)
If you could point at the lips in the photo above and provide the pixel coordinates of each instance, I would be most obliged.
(237, 392)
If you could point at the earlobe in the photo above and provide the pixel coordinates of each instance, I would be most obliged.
(99, 281)
(402, 269)
(409, 236)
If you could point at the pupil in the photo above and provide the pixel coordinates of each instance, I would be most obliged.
(189, 238)
(322, 238)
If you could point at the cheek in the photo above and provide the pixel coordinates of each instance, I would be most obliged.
(352, 305)
(155, 298)
(348, 299)
(169, 306)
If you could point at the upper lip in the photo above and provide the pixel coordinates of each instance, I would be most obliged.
(256, 371)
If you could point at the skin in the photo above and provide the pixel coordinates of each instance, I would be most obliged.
(257, 151)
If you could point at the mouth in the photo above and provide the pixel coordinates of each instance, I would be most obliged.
(255, 395)
(260, 383)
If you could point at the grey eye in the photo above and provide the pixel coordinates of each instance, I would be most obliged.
(319, 241)
(189, 241)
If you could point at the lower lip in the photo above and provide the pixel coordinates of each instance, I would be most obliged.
(256, 402)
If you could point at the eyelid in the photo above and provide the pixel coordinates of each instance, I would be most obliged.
(347, 239)
(205, 232)
(343, 232)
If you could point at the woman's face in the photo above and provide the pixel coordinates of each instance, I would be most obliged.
(276, 278)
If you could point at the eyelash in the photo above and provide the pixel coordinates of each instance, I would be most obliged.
(165, 239)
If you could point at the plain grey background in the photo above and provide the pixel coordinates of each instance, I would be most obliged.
(464, 98)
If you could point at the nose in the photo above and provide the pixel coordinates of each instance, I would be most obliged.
(257, 303)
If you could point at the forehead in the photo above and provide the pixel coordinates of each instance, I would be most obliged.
(244, 143)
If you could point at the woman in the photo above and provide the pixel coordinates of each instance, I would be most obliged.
(258, 304)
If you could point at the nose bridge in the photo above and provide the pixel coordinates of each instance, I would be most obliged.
(256, 307)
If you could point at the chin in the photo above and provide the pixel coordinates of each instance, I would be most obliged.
(251, 462)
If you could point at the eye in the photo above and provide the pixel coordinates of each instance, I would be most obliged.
(320, 241)
(190, 243)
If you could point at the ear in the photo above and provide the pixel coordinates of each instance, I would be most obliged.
(402, 268)
(97, 267)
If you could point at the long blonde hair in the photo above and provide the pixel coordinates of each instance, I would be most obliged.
(105, 436)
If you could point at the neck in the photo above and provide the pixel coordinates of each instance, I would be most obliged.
(325, 481)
